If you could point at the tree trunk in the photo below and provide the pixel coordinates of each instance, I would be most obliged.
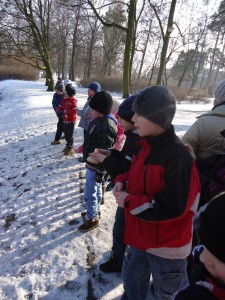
(49, 78)
(144, 51)
(128, 48)
(219, 64)
(74, 45)
(212, 62)
(166, 39)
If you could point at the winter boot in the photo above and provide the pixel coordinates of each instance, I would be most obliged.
(69, 152)
(55, 143)
(81, 159)
(65, 149)
(89, 225)
(110, 266)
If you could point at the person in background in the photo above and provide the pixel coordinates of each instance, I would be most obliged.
(102, 133)
(56, 101)
(207, 281)
(67, 109)
(207, 139)
(159, 194)
(206, 136)
(67, 81)
(59, 80)
(85, 113)
(116, 162)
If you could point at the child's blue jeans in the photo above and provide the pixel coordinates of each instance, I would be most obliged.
(92, 194)
(169, 275)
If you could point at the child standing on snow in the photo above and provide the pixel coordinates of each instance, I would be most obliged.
(207, 281)
(68, 110)
(85, 114)
(102, 132)
(56, 101)
(116, 162)
(159, 195)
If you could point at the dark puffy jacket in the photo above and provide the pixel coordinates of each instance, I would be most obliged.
(102, 133)
(56, 101)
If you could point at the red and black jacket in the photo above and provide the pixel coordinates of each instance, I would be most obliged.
(163, 187)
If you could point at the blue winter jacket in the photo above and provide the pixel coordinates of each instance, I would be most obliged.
(56, 101)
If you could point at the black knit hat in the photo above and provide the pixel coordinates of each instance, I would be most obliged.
(210, 227)
(70, 90)
(157, 104)
(101, 102)
(125, 109)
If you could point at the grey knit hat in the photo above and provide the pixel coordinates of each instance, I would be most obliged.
(157, 104)
(59, 86)
(220, 92)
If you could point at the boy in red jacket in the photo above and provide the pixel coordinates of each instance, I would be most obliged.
(160, 194)
(68, 109)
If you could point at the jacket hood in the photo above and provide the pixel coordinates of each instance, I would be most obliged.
(218, 110)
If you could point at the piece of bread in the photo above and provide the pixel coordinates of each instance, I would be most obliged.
(92, 160)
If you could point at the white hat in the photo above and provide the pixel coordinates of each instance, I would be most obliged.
(67, 81)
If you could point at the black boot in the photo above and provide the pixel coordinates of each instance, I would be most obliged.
(110, 267)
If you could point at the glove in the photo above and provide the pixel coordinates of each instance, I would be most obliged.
(61, 113)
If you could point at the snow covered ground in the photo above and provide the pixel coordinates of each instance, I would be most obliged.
(42, 257)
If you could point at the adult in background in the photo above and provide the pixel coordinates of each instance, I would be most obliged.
(206, 135)
(207, 138)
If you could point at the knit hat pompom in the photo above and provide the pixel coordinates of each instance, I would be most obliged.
(102, 102)
(125, 110)
(210, 227)
(70, 90)
(220, 92)
(157, 104)
(59, 86)
(95, 86)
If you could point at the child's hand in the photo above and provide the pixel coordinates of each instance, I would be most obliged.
(120, 197)
(97, 156)
(106, 152)
(117, 188)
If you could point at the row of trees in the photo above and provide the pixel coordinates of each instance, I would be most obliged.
(165, 42)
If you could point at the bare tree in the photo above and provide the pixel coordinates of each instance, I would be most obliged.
(130, 31)
(29, 27)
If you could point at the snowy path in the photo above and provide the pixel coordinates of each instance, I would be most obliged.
(41, 256)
